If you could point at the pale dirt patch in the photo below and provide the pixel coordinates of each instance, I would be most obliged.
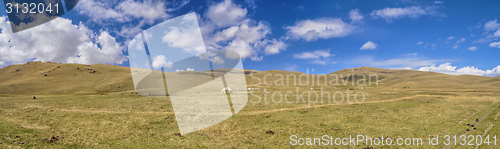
(326, 105)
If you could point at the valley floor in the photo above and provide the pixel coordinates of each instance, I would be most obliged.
(126, 120)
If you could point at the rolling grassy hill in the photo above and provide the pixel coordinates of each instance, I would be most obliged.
(35, 78)
(380, 78)
(434, 104)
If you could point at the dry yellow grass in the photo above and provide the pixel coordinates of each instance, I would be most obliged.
(435, 104)
(63, 79)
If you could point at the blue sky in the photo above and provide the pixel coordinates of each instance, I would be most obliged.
(453, 37)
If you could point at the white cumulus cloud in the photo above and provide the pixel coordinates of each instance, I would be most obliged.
(313, 55)
(225, 14)
(188, 37)
(58, 41)
(126, 17)
(311, 30)
(495, 44)
(447, 68)
(318, 56)
(491, 25)
(497, 33)
(99, 11)
(274, 47)
(368, 46)
(395, 13)
(226, 25)
(161, 61)
(493, 72)
(355, 15)
(472, 48)
(187, 69)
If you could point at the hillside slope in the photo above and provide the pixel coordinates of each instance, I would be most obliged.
(426, 80)
(35, 78)
(54, 78)
(387, 78)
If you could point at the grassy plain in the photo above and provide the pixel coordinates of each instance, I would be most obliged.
(434, 104)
